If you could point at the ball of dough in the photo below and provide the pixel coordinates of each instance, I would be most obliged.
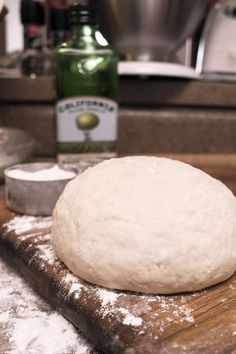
(147, 224)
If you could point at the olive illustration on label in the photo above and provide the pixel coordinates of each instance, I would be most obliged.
(87, 122)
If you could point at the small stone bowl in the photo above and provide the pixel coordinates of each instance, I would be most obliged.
(37, 198)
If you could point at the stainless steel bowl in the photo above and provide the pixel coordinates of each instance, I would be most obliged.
(32, 197)
(149, 29)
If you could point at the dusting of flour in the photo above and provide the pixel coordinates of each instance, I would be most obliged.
(25, 223)
(47, 174)
(50, 329)
(29, 326)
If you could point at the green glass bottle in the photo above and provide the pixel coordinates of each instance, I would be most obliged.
(86, 79)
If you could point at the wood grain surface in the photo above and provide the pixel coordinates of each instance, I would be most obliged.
(121, 322)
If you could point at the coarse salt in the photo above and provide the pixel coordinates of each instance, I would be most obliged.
(48, 174)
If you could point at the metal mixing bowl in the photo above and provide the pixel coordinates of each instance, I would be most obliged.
(149, 29)
(31, 197)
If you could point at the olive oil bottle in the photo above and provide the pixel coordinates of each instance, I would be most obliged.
(86, 79)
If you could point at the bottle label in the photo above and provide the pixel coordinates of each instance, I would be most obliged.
(86, 124)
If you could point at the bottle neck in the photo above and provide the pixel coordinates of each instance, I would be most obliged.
(83, 30)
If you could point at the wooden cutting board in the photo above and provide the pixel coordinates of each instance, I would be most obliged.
(120, 322)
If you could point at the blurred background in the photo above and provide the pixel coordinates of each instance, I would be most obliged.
(157, 31)
(177, 70)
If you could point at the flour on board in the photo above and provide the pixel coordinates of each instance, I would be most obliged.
(29, 325)
(127, 308)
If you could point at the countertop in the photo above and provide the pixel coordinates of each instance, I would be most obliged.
(146, 91)
(156, 115)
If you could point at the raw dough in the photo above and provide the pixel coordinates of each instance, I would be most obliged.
(147, 224)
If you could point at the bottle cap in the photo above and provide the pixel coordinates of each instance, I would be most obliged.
(32, 12)
(82, 14)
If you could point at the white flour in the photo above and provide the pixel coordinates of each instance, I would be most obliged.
(29, 326)
(107, 297)
(129, 319)
(23, 224)
(72, 284)
(109, 305)
(127, 308)
(49, 174)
